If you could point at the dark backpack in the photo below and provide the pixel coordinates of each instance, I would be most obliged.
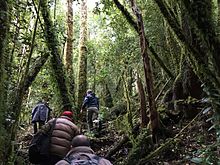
(82, 159)
(39, 148)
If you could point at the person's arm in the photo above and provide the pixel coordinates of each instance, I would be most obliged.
(34, 110)
(98, 103)
(85, 102)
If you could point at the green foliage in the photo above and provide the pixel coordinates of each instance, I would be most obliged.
(141, 147)
(113, 50)
(104, 114)
(207, 156)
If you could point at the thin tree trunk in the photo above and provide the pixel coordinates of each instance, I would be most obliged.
(143, 110)
(69, 47)
(68, 58)
(154, 117)
(128, 100)
(82, 74)
(107, 98)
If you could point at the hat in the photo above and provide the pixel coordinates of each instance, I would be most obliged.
(68, 114)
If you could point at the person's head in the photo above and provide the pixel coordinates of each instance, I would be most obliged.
(68, 114)
(80, 140)
(89, 91)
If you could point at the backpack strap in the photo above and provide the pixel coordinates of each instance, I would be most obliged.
(67, 159)
(52, 127)
(95, 159)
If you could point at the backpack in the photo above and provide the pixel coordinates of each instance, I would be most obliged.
(38, 150)
(82, 159)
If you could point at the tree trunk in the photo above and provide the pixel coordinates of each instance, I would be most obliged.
(143, 108)
(56, 61)
(68, 58)
(204, 47)
(128, 100)
(154, 117)
(82, 74)
(198, 50)
(3, 96)
(107, 97)
(19, 95)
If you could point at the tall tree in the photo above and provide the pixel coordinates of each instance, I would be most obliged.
(144, 44)
(3, 42)
(82, 70)
(56, 61)
(68, 58)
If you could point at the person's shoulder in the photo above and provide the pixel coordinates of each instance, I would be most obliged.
(62, 162)
(66, 120)
(104, 161)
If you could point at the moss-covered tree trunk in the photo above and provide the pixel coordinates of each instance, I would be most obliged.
(204, 48)
(128, 100)
(82, 70)
(3, 43)
(107, 97)
(68, 58)
(57, 65)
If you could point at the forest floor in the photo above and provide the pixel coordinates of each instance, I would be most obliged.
(190, 147)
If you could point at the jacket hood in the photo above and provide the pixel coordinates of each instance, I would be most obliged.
(81, 149)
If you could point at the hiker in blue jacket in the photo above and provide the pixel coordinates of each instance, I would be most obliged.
(91, 103)
(40, 115)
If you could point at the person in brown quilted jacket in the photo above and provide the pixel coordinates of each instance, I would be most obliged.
(63, 133)
(80, 151)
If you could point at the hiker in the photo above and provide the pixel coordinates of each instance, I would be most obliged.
(91, 103)
(81, 152)
(40, 115)
(63, 133)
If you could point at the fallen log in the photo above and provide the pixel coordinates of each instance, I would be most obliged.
(124, 140)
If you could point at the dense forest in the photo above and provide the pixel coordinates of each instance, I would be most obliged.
(154, 64)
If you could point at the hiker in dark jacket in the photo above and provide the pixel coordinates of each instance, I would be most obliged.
(91, 103)
(40, 115)
(64, 131)
(81, 151)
